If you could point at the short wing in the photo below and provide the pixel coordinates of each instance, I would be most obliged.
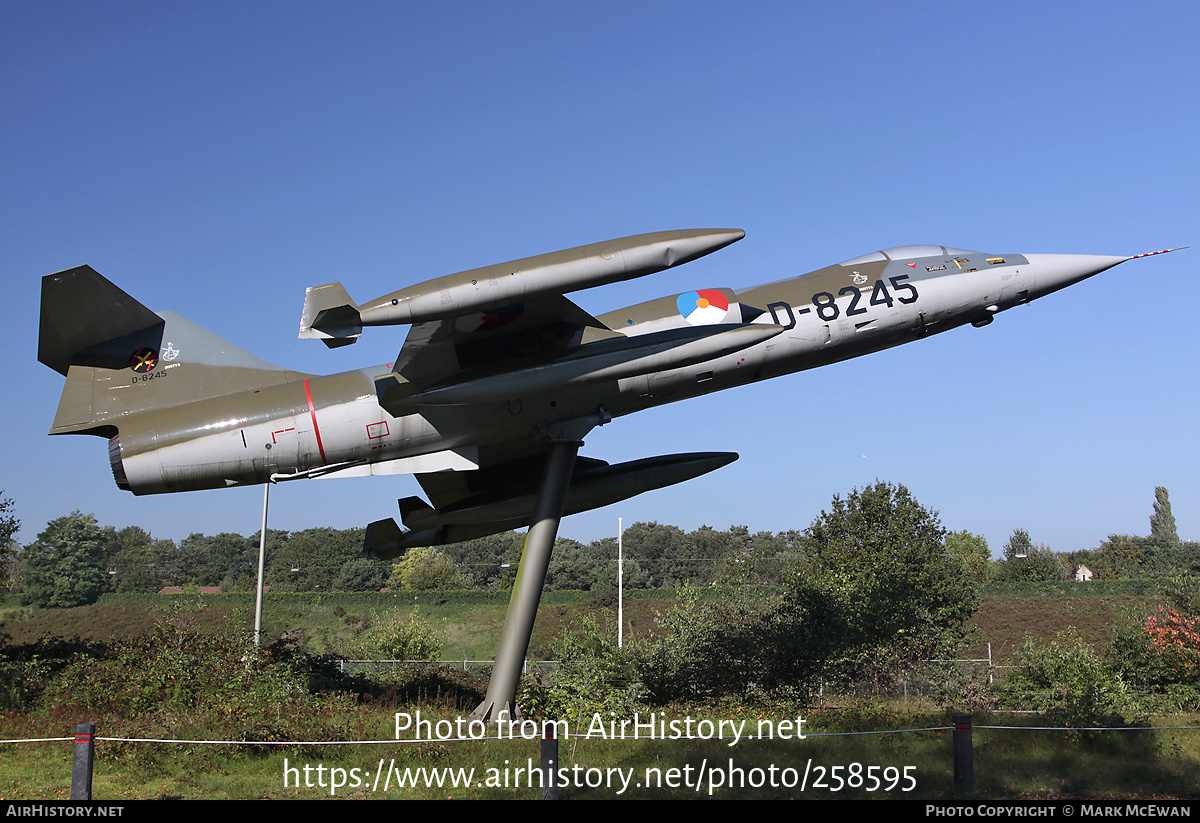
(435, 351)
(442, 351)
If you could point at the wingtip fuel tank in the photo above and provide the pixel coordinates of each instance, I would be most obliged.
(331, 315)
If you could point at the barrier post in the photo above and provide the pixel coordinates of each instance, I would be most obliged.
(81, 768)
(964, 758)
(549, 760)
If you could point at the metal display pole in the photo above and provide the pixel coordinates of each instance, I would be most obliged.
(262, 551)
(531, 576)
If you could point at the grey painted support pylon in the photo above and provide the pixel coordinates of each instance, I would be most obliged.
(531, 576)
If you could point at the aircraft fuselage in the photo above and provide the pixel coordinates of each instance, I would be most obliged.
(311, 426)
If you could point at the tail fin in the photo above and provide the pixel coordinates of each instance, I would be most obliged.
(87, 321)
(120, 357)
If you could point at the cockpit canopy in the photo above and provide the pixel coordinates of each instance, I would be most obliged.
(906, 253)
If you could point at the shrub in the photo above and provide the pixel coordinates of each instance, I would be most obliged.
(718, 648)
(1176, 638)
(1070, 682)
(593, 675)
(396, 637)
(423, 569)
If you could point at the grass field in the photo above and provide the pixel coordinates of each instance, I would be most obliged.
(470, 622)
(1010, 762)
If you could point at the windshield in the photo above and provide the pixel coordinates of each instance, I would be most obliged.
(905, 253)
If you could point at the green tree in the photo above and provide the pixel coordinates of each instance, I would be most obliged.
(183, 563)
(1023, 561)
(877, 588)
(1019, 545)
(423, 569)
(637, 574)
(312, 559)
(873, 595)
(361, 575)
(1162, 523)
(576, 566)
(771, 555)
(1122, 556)
(665, 552)
(592, 675)
(972, 551)
(488, 562)
(719, 648)
(132, 560)
(205, 560)
(9, 525)
(718, 551)
(63, 566)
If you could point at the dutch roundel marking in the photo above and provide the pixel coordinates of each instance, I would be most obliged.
(143, 360)
(703, 308)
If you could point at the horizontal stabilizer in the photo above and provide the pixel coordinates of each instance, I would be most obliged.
(383, 539)
(410, 506)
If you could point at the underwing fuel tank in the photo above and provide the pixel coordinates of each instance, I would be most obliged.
(329, 314)
(592, 486)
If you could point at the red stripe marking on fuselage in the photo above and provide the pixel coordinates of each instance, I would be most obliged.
(313, 412)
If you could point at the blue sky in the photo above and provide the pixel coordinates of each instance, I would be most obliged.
(216, 159)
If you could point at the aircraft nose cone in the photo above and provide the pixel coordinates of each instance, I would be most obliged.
(1052, 272)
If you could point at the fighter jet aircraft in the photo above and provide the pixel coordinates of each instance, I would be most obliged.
(499, 379)
(497, 364)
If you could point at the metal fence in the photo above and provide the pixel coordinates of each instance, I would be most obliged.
(465, 663)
